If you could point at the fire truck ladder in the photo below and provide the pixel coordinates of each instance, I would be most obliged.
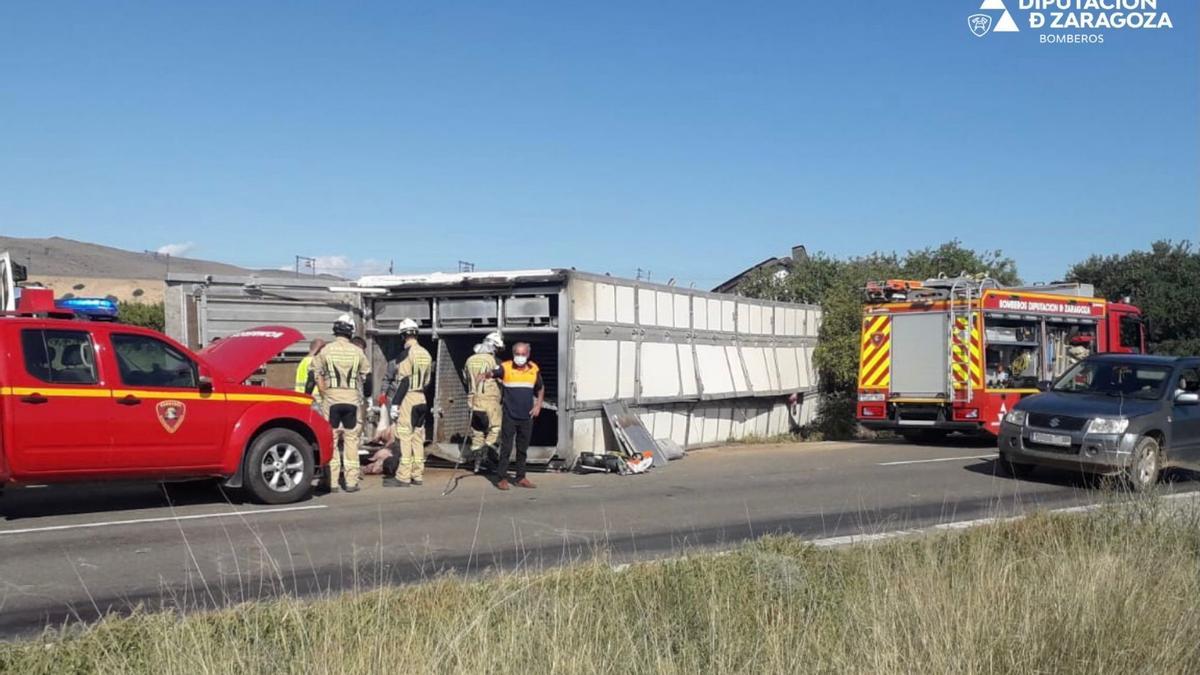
(965, 296)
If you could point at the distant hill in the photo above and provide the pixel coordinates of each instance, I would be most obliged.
(58, 257)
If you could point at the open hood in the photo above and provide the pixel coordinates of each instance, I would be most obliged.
(236, 357)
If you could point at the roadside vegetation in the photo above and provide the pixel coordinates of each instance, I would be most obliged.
(1163, 281)
(1112, 592)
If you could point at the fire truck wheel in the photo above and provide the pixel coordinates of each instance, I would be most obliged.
(1145, 465)
(1013, 469)
(279, 467)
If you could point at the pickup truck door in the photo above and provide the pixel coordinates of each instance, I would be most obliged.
(162, 421)
(1185, 419)
(58, 403)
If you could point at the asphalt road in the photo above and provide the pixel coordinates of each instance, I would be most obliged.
(71, 553)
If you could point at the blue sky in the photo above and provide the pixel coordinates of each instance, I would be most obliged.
(689, 138)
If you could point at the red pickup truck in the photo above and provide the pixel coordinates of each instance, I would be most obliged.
(90, 401)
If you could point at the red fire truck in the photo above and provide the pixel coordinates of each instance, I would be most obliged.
(946, 355)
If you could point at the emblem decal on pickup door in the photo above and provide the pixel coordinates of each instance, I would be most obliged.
(171, 414)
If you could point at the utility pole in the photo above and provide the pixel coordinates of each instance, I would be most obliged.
(307, 262)
(464, 266)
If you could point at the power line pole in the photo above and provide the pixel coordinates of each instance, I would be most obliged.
(309, 263)
(464, 266)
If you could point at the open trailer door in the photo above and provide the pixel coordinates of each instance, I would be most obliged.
(10, 275)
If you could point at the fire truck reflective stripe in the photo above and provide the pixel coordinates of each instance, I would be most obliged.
(870, 326)
(269, 398)
(878, 355)
(63, 392)
(967, 364)
(173, 395)
(73, 392)
(875, 360)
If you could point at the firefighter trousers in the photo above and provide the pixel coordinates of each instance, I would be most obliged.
(344, 465)
(485, 422)
(410, 434)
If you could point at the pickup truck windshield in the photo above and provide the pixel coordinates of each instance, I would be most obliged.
(1113, 378)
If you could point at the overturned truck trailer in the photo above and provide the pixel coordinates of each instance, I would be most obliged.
(699, 368)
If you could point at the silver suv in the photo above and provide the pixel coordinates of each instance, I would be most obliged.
(1110, 414)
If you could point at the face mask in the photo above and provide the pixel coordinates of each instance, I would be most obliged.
(520, 360)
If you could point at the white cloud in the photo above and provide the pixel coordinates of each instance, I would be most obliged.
(176, 250)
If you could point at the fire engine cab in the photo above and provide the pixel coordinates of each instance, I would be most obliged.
(956, 354)
(90, 401)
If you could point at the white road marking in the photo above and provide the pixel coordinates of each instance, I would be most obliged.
(164, 519)
(851, 539)
(939, 459)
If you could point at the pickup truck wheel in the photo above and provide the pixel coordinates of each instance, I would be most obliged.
(1145, 465)
(279, 467)
(1013, 469)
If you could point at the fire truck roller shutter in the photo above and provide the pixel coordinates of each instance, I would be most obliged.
(920, 342)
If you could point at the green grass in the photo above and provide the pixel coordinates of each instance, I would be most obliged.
(1114, 592)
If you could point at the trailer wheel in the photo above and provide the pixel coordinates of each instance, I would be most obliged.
(1145, 465)
(279, 467)
(1013, 469)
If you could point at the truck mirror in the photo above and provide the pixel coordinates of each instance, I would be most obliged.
(205, 384)
(1187, 398)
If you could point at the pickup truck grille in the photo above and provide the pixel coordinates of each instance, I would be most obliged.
(1064, 423)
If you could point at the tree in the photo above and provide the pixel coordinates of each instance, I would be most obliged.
(146, 315)
(1164, 282)
(837, 286)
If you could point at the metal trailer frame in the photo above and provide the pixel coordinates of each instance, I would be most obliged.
(698, 367)
(754, 338)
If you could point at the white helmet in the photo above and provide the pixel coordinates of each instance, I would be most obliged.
(408, 326)
(344, 325)
(494, 340)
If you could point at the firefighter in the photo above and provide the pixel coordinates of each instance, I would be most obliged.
(410, 409)
(341, 367)
(484, 398)
(305, 381)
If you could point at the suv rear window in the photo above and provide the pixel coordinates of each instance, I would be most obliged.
(148, 362)
(1114, 378)
(59, 356)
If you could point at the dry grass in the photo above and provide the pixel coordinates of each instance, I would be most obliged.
(1114, 592)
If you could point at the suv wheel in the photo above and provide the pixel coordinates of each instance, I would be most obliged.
(1013, 469)
(279, 467)
(1145, 465)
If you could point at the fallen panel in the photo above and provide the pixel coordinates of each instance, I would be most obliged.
(631, 433)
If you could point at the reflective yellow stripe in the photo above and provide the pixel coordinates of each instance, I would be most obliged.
(76, 392)
(64, 392)
(172, 395)
(269, 398)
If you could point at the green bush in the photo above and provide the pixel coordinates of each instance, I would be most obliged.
(146, 315)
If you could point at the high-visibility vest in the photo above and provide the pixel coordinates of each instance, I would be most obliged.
(302, 373)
